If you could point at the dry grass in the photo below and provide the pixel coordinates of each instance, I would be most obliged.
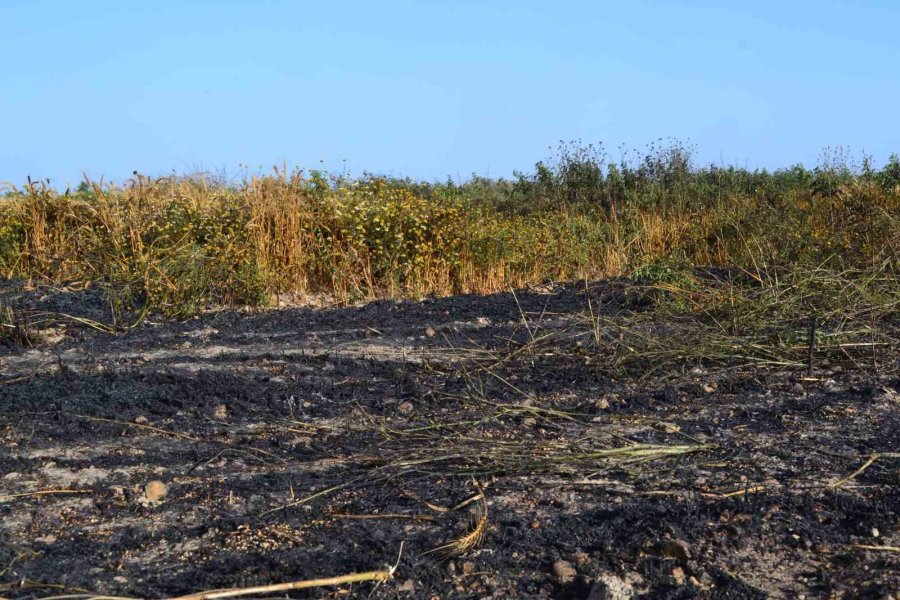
(797, 318)
(16, 329)
(179, 245)
(472, 538)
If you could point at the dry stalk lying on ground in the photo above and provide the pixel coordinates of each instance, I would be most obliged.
(484, 457)
(379, 577)
(7, 497)
(474, 534)
(488, 446)
(491, 445)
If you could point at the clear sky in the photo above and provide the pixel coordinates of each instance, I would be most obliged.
(433, 89)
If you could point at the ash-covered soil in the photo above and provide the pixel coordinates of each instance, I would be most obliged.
(481, 433)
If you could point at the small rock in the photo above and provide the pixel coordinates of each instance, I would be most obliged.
(141, 420)
(697, 371)
(467, 567)
(611, 587)
(406, 408)
(602, 404)
(221, 412)
(407, 586)
(710, 387)
(155, 490)
(529, 421)
(564, 571)
(798, 389)
(430, 332)
(875, 532)
(678, 575)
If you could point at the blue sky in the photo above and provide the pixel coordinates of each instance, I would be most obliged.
(436, 89)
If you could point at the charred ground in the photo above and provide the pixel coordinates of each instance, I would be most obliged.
(302, 443)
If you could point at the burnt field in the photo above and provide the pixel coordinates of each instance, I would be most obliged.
(488, 437)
